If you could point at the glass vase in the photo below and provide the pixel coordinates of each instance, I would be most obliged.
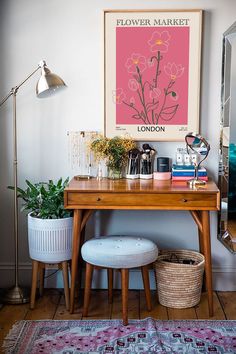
(114, 173)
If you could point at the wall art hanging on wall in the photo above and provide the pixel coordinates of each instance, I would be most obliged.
(80, 157)
(152, 73)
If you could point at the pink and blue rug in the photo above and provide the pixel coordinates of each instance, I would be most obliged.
(110, 336)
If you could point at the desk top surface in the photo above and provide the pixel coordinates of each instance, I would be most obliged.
(124, 185)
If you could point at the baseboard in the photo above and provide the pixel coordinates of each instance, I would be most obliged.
(223, 278)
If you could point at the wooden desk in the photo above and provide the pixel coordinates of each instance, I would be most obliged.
(86, 196)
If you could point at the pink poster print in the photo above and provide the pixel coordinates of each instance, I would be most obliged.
(152, 75)
(152, 61)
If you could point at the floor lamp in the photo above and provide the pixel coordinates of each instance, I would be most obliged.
(47, 85)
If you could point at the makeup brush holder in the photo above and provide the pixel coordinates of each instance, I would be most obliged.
(146, 167)
(133, 168)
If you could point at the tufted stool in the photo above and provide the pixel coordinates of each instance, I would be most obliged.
(118, 252)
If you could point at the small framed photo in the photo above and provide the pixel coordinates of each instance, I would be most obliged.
(152, 73)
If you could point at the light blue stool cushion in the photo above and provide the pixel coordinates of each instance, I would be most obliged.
(119, 251)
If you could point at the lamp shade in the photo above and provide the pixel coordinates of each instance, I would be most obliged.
(48, 83)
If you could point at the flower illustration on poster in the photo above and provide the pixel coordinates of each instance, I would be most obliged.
(152, 74)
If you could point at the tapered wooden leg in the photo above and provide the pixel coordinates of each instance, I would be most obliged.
(66, 283)
(87, 287)
(80, 259)
(124, 287)
(201, 249)
(146, 284)
(35, 265)
(207, 253)
(75, 254)
(110, 284)
(84, 218)
(41, 277)
(197, 216)
(200, 241)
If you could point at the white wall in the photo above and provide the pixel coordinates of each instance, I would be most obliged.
(68, 35)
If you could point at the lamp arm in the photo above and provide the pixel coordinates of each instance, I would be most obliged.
(6, 97)
(15, 89)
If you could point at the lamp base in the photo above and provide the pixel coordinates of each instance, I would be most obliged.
(194, 183)
(16, 295)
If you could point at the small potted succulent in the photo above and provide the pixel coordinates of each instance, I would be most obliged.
(49, 224)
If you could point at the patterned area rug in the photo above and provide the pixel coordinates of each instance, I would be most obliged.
(110, 336)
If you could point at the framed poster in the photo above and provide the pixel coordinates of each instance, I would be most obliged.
(152, 73)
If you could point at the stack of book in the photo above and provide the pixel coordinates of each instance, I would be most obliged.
(186, 172)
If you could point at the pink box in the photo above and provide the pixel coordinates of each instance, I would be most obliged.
(161, 176)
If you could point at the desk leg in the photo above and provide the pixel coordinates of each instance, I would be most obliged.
(75, 254)
(80, 259)
(197, 217)
(206, 244)
(200, 238)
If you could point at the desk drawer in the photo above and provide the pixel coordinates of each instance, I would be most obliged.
(142, 200)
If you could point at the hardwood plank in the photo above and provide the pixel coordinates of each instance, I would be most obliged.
(228, 303)
(9, 314)
(182, 314)
(158, 311)
(203, 312)
(63, 314)
(133, 304)
(45, 306)
(116, 312)
(99, 308)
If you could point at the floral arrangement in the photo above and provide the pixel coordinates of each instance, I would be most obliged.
(113, 150)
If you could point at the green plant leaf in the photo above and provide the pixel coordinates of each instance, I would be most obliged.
(44, 199)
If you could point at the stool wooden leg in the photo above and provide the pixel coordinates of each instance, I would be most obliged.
(41, 278)
(124, 287)
(66, 283)
(110, 284)
(145, 275)
(35, 265)
(87, 287)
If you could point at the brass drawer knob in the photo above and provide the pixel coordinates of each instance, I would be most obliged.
(184, 200)
(98, 199)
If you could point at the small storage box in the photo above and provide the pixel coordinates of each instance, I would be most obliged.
(179, 275)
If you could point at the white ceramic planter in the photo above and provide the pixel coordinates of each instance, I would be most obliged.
(50, 240)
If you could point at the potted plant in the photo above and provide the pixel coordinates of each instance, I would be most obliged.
(114, 151)
(49, 224)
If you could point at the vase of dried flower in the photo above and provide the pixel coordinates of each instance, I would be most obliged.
(114, 173)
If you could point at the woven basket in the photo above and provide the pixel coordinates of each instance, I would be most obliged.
(179, 285)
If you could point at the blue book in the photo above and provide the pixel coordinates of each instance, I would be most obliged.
(188, 173)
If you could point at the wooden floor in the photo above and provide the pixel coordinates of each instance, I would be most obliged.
(52, 306)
